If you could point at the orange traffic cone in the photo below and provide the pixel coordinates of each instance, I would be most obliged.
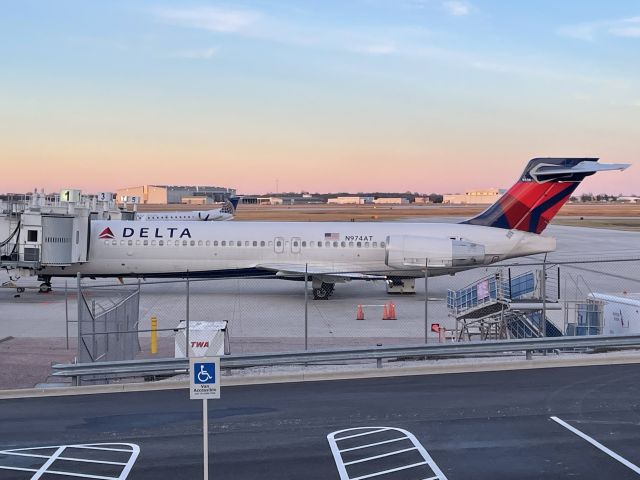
(359, 313)
(385, 312)
(392, 311)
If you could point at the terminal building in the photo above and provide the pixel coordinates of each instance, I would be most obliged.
(173, 194)
(488, 196)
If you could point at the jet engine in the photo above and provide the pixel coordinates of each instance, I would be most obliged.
(409, 251)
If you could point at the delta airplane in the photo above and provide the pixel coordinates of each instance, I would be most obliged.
(329, 253)
(226, 212)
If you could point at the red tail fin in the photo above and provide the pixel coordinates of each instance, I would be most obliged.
(545, 185)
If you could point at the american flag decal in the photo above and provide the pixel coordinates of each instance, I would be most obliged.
(332, 236)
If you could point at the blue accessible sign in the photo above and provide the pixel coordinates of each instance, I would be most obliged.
(204, 377)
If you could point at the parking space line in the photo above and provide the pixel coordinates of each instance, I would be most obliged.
(124, 468)
(598, 445)
(425, 470)
(391, 470)
(363, 434)
(372, 444)
(368, 459)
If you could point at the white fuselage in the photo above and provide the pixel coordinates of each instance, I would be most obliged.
(192, 216)
(166, 248)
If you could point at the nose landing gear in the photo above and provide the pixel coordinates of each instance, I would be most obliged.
(324, 291)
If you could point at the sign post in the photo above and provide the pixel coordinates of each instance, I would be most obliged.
(204, 383)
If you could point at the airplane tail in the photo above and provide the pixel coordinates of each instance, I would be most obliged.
(230, 205)
(545, 185)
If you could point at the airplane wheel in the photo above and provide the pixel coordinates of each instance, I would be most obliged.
(45, 288)
(20, 289)
(324, 292)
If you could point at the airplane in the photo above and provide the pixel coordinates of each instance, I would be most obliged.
(226, 212)
(327, 253)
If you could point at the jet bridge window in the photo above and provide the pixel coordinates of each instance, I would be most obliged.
(32, 235)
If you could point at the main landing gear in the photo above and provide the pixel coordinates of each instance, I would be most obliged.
(45, 286)
(324, 291)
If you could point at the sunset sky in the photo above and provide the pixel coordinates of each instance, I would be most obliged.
(367, 95)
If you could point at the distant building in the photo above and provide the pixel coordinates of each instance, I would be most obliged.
(350, 200)
(167, 194)
(391, 201)
(421, 200)
(487, 196)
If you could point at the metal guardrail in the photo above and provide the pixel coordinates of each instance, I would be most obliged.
(154, 366)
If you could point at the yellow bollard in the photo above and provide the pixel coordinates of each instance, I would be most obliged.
(154, 334)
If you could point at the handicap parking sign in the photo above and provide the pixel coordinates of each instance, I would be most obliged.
(204, 377)
(204, 373)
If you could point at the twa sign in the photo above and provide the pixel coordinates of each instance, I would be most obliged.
(200, 344)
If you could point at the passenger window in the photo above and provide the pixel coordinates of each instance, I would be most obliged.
(177, 243)
(375, 244)
(145, 243)
(278, 243)
(199, 243)
(381, 244)
(304, 244)
(262, 244)
(366, 244)
(239, 243)
(343, 244)
(153, 242)
(247, 243)
(335, 244)
(193, 243)
(130, 242)
(359, 244)
(271, 244)
(121, 242)
(114, 242)
(295, 244)
(319, 244)
(137, 242)
(224, 243)
(231, 243)
(185, 243)
(327, 244)
(351, 244)
(161, 242)
(255, 244)
(215, 243)
(208, 243)
(106, 242)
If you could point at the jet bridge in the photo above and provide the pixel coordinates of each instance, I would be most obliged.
(38, 232)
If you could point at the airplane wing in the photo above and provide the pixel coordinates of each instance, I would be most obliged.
(336, 272)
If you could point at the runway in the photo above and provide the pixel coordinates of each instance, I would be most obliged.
(495, 425)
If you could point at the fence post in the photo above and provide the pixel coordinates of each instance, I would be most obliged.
(187, 320)
(66, 311)
(306, 306)
(80, 301)
(426, 300)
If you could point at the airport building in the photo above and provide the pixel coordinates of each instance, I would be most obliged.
(391, 201)
(351, 200)
(488, 196)
(173, 194)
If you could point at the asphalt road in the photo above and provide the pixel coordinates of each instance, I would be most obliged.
(492, 425)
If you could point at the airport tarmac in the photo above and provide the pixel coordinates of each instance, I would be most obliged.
(546, 423)
(268, 314)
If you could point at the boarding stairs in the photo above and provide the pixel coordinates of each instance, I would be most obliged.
(500, 306)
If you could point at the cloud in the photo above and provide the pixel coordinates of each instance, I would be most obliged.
(214, 19)
(624, 27)
(457, 8)
(197, 54)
